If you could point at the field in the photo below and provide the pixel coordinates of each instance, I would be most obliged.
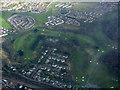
(91, 45)
(3, 18)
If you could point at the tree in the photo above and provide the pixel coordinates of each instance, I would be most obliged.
(21, 53)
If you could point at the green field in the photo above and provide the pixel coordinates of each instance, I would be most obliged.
(4, 17)
(25, 43)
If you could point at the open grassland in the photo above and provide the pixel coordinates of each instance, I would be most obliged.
(92, 72)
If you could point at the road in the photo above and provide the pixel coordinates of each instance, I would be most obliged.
(19, 78)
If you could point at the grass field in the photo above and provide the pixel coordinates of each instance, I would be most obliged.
(25, 43)
(93, 73)
(5, 16)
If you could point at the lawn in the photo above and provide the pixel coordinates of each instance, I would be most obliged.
(5, 16)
